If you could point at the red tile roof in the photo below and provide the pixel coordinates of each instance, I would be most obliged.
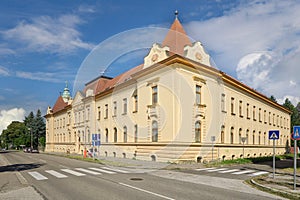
(59, 105)
(176, 38)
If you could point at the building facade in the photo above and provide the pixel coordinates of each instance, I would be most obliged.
(175, 106)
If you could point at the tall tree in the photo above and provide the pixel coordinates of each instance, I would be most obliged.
(295, 117)
(40, 129)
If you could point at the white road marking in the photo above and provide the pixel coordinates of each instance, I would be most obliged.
(56, 174)
(229, 171)
(243, 172)
(258, 173)
(37, 176)
(115, 170)
(146, 191)
(88, 171)
(73, 172)
(215, 170)
(203, 169)
(102, 170)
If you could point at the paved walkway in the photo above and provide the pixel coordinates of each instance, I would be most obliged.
(13, 185)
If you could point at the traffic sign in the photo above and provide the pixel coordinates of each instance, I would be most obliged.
(296, 132)
(96, 139)
(274, 135)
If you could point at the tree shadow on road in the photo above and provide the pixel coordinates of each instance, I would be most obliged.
(19, 167)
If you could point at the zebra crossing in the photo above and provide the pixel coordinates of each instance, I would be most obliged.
(65, 173)
(232, 171)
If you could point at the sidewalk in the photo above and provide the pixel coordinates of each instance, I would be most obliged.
(13, 185)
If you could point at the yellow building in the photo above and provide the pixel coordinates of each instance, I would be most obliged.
(175, 106)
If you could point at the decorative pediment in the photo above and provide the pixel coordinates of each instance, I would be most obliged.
(156, 54)
(197, 53)
(78, 98)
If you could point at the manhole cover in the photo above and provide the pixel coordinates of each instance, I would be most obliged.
(136, 179)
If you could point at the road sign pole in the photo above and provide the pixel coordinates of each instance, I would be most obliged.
(273, 159)
(295, 162)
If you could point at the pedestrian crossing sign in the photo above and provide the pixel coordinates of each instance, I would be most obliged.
(274, 135)
(296, 132)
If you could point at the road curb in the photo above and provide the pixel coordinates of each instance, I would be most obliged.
(272, 189)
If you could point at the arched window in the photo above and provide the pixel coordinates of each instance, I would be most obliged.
(198, 131)
(231, 135)
(106, 135)
(125, 133)
(223, 134)
(115, 135)
(154, 131)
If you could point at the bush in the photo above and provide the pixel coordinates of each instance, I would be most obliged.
(263, 159)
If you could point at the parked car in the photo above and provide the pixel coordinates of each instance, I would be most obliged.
(34, 151)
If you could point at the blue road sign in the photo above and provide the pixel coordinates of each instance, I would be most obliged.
(274, 135)
(96, 139)
(296, 132)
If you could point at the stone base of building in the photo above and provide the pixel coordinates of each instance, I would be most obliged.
(170, 152)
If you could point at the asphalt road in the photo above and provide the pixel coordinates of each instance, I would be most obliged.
(114, 185)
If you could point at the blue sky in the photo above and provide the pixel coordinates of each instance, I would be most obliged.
(44, 43)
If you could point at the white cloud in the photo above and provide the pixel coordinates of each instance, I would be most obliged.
(86, 9)
(256, 26)
(254, 69)
(47, 34)
(43, 76)
(4, 71)
(6, 51)
(293, 99)
(7, 116)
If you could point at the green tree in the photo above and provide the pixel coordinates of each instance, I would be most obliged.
(273, 98)
(40, 129)
(14, 135)
(295, 117)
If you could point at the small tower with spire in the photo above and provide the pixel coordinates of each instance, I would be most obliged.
(66, 95)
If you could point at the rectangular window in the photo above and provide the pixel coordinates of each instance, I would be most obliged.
(248, 112)
(223, 103)
(106, 111)
(265, 116)
(198, 94)
(115, 108)
(124, 106)
(154, 95)
(274, 120)
(232, 106)
(241, 109)
(259, 115)
(270, 118)
(135, 103)
(254, 117)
